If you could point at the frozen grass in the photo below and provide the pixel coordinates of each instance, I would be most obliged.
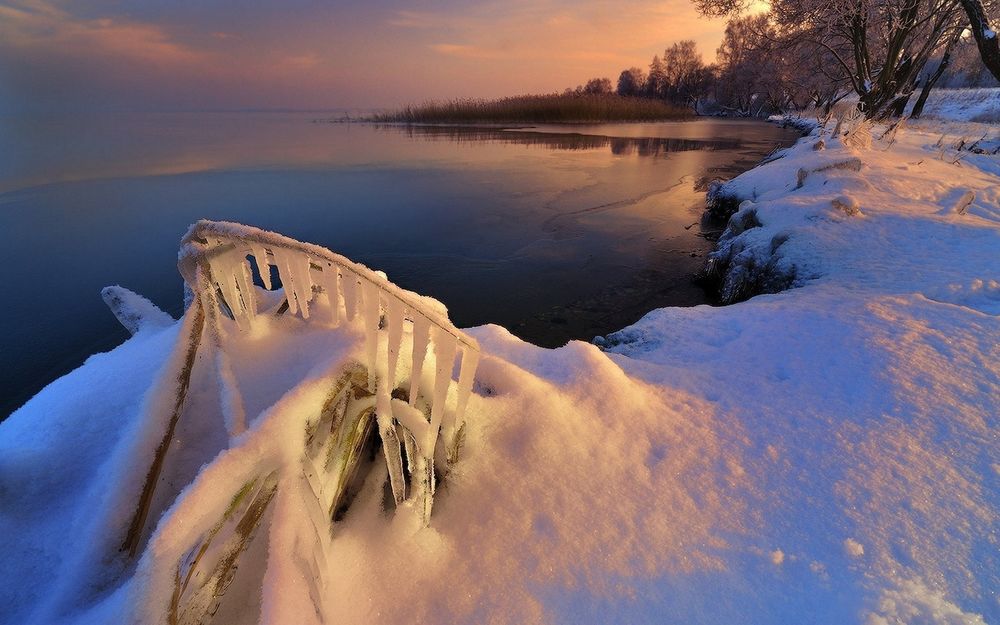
(964, 105)
(536, 109)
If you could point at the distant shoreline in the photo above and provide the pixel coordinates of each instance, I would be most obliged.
(534, 109)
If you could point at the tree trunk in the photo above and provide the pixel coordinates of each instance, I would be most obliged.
(897, 106)
(986, 38)
(918, 108)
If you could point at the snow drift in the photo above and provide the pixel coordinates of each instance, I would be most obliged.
(826, 454)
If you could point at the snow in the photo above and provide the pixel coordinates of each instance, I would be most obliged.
(134, 311)
(964, 105)
(824, 454)
(916, 604)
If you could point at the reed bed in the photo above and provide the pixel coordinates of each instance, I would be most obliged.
(536, 109)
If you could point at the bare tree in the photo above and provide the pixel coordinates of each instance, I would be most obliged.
(966, 68)
(986, 37)
(761, 72)
(930, 81)
(810, 78)
(631, 82)
(683, 72)
(878, 47)
(657, 79)
(598, 86)
(744, 62)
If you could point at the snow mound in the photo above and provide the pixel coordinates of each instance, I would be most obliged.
(824, 454)
(134, 311)
(915, 604)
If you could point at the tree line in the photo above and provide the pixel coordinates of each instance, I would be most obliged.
(816, 52)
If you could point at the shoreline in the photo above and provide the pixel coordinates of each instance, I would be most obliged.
(135, 174)
(841, 434)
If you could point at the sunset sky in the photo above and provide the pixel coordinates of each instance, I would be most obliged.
(194, 54)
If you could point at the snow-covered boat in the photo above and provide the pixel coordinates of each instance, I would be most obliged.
(246, 286)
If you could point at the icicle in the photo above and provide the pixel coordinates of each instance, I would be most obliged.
(245, 285)
(444, 360)
(299, 264)
(287, 279)
(295, 276)
(470, 360)
(217, 269)
(332, 285)
(223, 272)
(351, 293)
(372, 317)
(233, 411)
(420, 459)
(421, 334)
(394, 319)
(293, 268)
(410, 418)
(390, 441)
(263, 267)
(232, 295)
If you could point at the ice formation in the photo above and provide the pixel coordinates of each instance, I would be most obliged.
(266, 493)
(215, 260)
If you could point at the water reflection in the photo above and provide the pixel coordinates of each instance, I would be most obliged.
(621, 146)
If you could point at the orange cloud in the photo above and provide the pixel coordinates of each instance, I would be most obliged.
(605, 34)
(451, 48)
(341, 54)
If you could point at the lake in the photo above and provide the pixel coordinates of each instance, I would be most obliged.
(555, 232)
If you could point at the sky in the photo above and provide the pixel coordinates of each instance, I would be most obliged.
(61, 55)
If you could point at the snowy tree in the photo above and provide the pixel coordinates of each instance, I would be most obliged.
(932, 78)
(985, 35)
(878, 47)
(966, 68)
(744, 60)
(759, 71)
(684, 72)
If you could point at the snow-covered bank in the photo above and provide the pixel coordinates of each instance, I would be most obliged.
(827, 454)
(975, 105)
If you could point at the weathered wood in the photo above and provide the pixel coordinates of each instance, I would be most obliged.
(203, 577)
(357, 435)
(194, 323)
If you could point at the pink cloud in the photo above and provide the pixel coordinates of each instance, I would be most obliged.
(40, 24)
(343, 55)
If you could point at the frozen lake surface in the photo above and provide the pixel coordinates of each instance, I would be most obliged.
(555, 232)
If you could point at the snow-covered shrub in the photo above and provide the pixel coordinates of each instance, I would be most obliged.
(742, 266)
(721, 203)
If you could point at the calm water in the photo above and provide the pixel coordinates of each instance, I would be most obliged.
(555, 232)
